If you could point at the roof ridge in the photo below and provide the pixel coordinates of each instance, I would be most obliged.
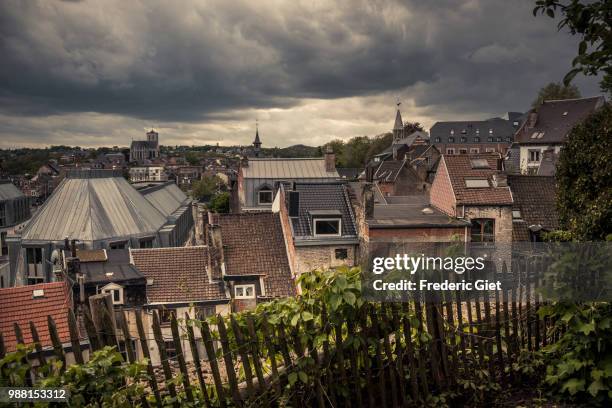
(572, 99)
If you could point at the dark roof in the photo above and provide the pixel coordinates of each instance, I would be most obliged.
(512, 160)
(179, 275)
(460, 168)
(555, 119)
(480, 128)
(8, 191)
(536, 198)
(143, 144)
(388, 170)
(116, 266)
(253, 244)
(19, 306)
(322, 197)
(407, 212)
(548, 164)
(349, 172)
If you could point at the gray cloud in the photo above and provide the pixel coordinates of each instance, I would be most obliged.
(218, 62)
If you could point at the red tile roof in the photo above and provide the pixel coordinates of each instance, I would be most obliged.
(460, 168)
(18, 306)
(179, 275)
(254, 245)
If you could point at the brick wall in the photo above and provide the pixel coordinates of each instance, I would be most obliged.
(441, 193)
(501, 215)
(286, 226)
(322, 256)
(417, 234)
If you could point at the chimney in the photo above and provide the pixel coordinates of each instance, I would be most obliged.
(532, 119)
(73, 248)
(367, 196)
(294, 203)
(330, 159)
(216, 242)
(500, 164)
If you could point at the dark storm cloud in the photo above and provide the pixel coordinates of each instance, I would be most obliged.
(185, 62)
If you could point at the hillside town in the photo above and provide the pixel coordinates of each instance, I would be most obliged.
(129, 222)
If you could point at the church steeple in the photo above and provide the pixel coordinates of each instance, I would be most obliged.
(398, 127)
(257, 141)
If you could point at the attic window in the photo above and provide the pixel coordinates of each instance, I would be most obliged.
(537, 135)
(427, 211)
(479, 164)
(452, 132)
(327, 227)
(477, 131)
(265, 196)
(516, 214)
(150, 281)
(38, 293)
(463, 131)
(564, 113)
(477, 139)
(490, 131)
(476, 183)
(109, 274)
(244, 291)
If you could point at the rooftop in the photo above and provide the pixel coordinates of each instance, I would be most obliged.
(8, 191)
(166, 197)
(253, 244)
(114, 266)
(178, 275)
(301, 168)
(19, 305)
(535, 197)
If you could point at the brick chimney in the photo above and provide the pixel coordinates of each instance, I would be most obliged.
(367, 198)
(330, 159)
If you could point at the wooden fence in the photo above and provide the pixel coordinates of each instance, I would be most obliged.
(379, 354)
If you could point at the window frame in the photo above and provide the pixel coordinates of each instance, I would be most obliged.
(482, 225)
(245, 286)
(340, 251)
(265, 191)
(113, 288)
(319, 219)
(450, 150)
(537, 152)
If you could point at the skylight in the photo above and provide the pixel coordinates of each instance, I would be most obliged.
(479, 163)
(476, 183)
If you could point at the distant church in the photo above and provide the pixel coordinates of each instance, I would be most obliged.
(256, 143)
(142, 150)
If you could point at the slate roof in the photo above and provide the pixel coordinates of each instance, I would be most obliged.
(407, 212)
(536, 198)
(8, 191)
(349, 172)
(92, 205)
(548, 164)
(388, 170)
(166, 197)
(179, 275)
(253, 244)
(459, 169)
(501, 128)
(268, 168)
(555, 119)
(143, 144)
(117, 262)
(322, 197)
(17, 305)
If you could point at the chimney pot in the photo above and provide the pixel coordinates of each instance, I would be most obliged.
(330, 159)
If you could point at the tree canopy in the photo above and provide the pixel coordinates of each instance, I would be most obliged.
(205, 188)
(583, 175)
(556, 90)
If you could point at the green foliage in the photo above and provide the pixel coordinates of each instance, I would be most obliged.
(105, 380)
(583, 176)
(580, 363)
(590, 20)
(14, 367)
(356, 152)
(193, 158)
(556, 90)
(205, 188)
(220, 203)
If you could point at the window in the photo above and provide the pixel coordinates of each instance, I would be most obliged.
(437, 140)
(483, 230)
(489, 139)
(2, 214)
(202, 312)
(450, 151)
(170, 349)
(116, 291)
(146, 242)
(477, 139)
(452, 131)
(118, 245)
(323, 226)
(499, 139)
(165, 315)
(244, 291)
(451, 140)
(509, 139)
(490, 150)
(265, 196)
(463, 151)
(35, 265)
(476, 183)
(3, 243)
(516, 214)
(341, 253)
(490, 131)
(463, 132)
(534, 155)
(463, 139)
(474, 150)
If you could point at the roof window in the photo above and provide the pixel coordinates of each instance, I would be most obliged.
(476, 183)
(479, 164)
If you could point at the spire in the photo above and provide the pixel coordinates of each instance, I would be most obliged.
(398, 119)
(257, 142)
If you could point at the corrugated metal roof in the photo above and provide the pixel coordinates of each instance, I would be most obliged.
(266, 168)
(167, 198)
(8, 191)
(93, 207)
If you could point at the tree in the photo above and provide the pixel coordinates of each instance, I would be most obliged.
(591, 22)
(192, 158)
(583, 174)
(205, 188)
(556, 90)
(220, 203)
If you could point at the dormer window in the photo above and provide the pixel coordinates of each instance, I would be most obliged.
(244, 291)
(116, 292)
(265, 196)
(451, 140)
(327, 226)
(452, 131)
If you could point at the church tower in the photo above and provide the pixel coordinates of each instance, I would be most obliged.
(398, 127)
(256, 142)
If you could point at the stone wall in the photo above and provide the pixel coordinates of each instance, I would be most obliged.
(322, 256)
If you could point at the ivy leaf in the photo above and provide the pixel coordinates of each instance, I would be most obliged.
(587, 328)
(306, 316)
(573, 385)
(341, 282)
(349, 297)
(595, 387)
(292, 377)
(303, 377)
(334, 301)
(294, 320)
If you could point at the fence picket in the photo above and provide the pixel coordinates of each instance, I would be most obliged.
(196, 359)
(212, 360)
(145, 352)
(57, 343)
(163, 355)
(180, 355)
(229, 362)
(75, 340)
(36, 339)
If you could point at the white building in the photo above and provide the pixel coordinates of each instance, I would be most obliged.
(147, 173)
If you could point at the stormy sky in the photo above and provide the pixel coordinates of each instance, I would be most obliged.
(94, 73)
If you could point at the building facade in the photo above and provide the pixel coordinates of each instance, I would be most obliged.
(144, 150)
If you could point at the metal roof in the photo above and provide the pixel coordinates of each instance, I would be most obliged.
(8, 191)
(307, 168)
(91, 206)
(167, 197)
